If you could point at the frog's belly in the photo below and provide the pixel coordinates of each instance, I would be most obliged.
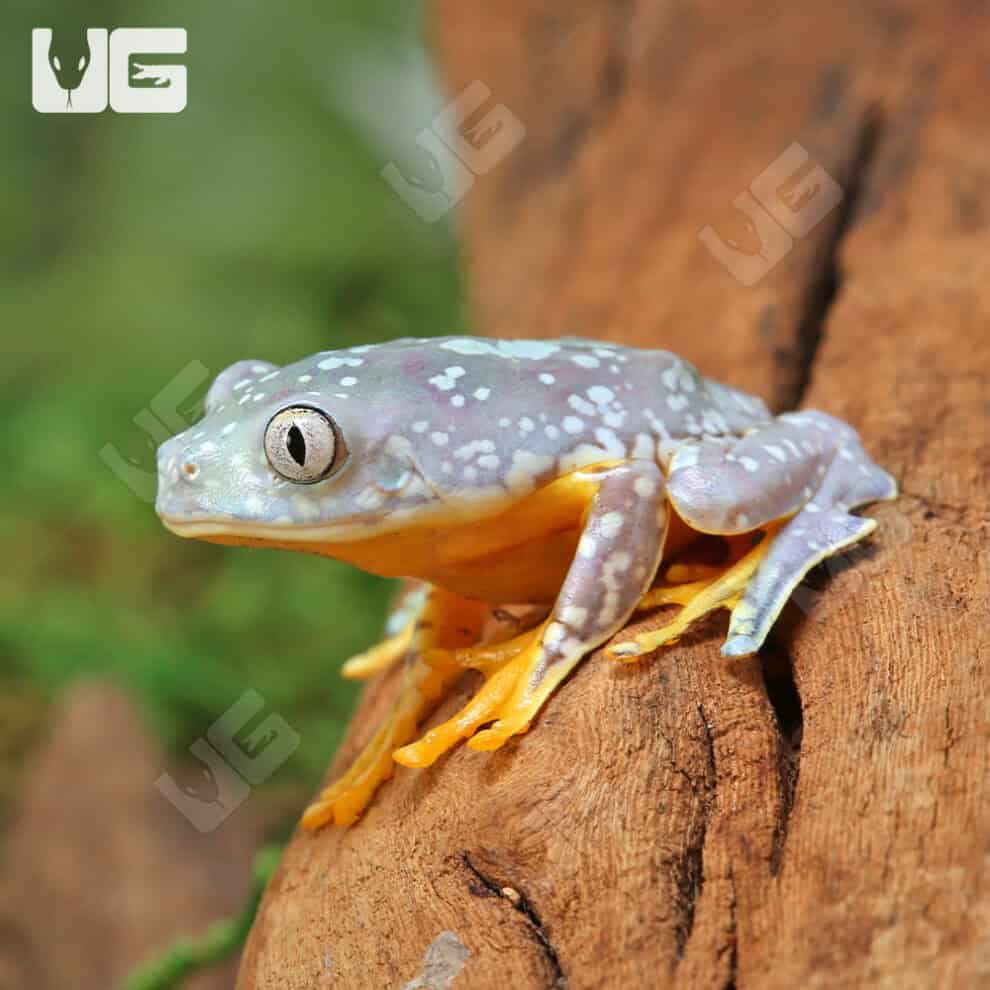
(519, 555)
(531, 572)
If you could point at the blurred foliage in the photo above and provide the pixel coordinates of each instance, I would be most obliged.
(186, 956)
(253, 224)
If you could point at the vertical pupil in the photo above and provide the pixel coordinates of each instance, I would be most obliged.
(296, 445)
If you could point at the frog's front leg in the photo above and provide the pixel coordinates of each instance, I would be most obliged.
(797, 479)
(617, 557)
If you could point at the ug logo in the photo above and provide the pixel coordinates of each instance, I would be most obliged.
(85, 74)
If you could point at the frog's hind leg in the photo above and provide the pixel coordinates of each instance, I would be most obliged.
(825, 526)
(616, 560)
(796, 479)
(446, 621)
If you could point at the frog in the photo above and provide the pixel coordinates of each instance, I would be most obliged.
(571, 475)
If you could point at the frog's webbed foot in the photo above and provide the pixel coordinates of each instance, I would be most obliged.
(698, 589)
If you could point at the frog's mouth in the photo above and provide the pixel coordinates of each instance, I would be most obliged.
(248, 533)
(291, 534)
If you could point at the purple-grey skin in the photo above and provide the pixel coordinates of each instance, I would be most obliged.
(460, 428)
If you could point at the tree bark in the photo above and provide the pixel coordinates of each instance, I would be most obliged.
(817, 815)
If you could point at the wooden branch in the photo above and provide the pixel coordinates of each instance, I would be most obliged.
(816, 816)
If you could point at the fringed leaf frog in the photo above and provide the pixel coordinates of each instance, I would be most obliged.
(567, 472)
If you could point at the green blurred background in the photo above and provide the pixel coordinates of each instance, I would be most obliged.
(253, 224)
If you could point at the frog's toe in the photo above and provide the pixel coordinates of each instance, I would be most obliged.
(503, 675)
(498, 735)
(487, 657)
(740, 646)
(344, 800)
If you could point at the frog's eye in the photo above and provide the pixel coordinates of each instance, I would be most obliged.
(302, 444)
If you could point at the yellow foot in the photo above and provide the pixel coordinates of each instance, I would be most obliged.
(703, 590)
(508, 669)
(348, 796)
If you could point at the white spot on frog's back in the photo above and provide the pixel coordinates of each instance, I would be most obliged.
(527, 350)
(339, 361)
(579, 404)
(713, 422)
(585, 360)
(612, 445)
(600, 395)
(468, 450)
(448, 380)
(526, 468)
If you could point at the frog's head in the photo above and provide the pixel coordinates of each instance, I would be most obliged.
(292, 455)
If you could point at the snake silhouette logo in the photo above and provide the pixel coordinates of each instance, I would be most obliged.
(76, 73)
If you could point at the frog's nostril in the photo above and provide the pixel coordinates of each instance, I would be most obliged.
(190, 470)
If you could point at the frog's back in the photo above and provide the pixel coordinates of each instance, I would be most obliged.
(571, 385)
(482, 412)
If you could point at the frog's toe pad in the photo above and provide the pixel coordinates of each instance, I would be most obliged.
(740, 646)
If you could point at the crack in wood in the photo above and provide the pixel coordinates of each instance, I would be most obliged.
(784, 698)
(823, 286)
(946, 511)
(690, 875)
(519, 901)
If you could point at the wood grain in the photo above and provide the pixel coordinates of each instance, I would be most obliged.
(816, 816)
